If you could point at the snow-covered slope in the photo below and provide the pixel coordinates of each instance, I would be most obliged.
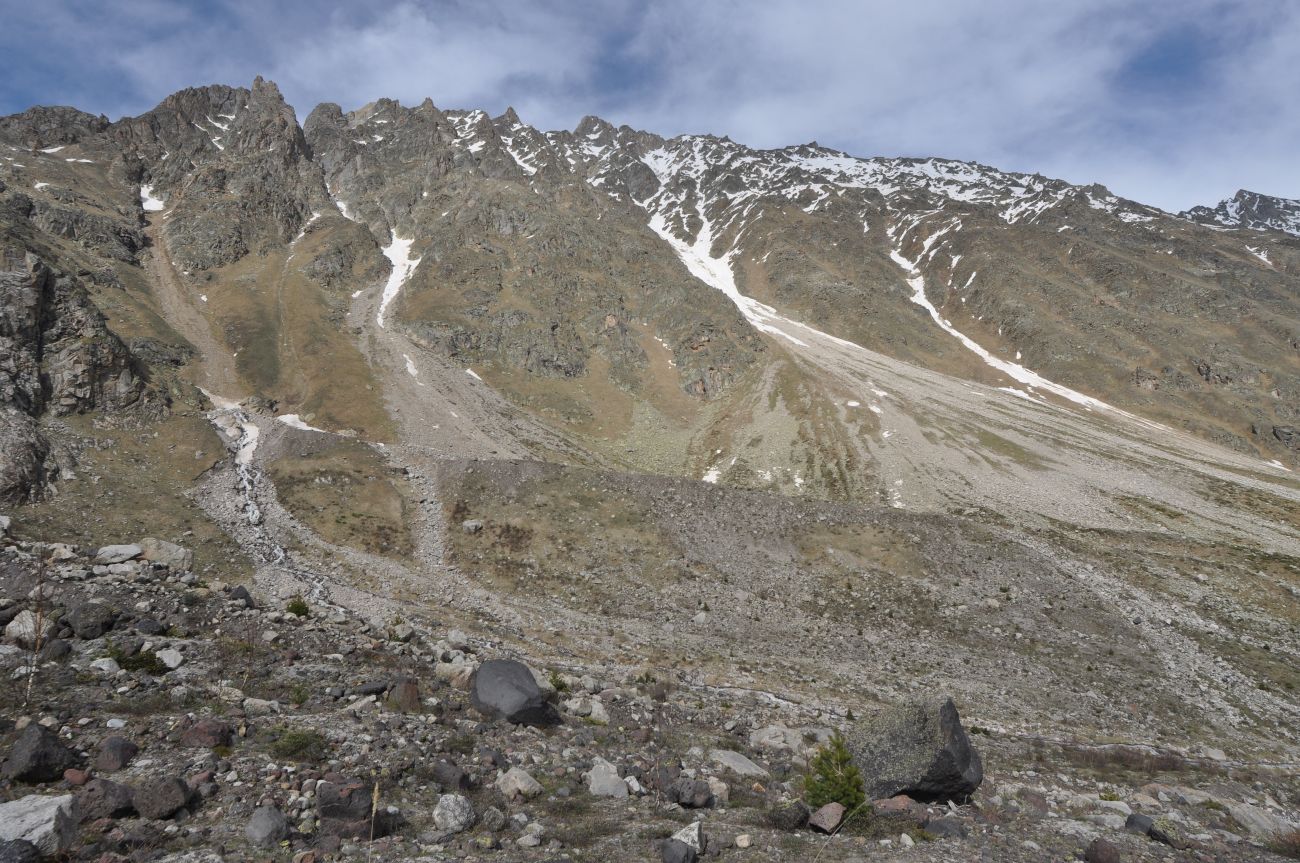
(1253, 211)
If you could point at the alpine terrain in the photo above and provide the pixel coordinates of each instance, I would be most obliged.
(416, 484)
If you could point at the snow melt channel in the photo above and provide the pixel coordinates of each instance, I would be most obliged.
(398, 253)
(717, 273)
(1012, 370)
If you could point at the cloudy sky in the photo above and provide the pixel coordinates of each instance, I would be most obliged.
(1170, 102)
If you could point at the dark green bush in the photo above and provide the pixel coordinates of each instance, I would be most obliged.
(834, 778)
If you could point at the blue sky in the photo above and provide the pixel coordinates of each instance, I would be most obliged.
(1170, 102)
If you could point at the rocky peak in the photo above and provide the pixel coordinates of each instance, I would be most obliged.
(1251, 210)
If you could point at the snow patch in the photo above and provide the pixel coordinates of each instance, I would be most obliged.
(398, 253)
(150, 203)
(54, 149)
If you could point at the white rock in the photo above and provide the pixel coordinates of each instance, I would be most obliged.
(111, 554)
(736, 763)
(603, 780)
(905, 841)
(47, 822)
(453, 813)
(107, 665)
(691, 835)
(1259, 823)
(516, 782)
(22, 629)
(170, 657)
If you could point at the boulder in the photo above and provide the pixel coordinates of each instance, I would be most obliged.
(37, 756)
(506, 689)
(404, 696)
(827, 819)
(737, 763)
(690, 793)
(692, 836)
(161, 797)
(19, 851)
(918, 749)
(344, 808)
(603, 780)
(454, 813)
(22, 630)
(114, 753)
(1259, 823)
(91, 619)
(677, 851)
(1101, 851)
(516, 782)
(48, 822)
(100, 798)
(1145, 825)
(266, 827)
(450, 777)
(208, 733)
(170, 555)
(117, 554)
(170, 657)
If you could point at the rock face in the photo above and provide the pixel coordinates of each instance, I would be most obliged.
(37, 756)
(920, 750)
(49, 823)
(56, 353)
(506, 689)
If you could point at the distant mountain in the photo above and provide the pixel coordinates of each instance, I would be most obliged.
(1251, 210)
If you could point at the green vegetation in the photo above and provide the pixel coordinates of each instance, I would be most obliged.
(297, 605)
(834, 778)
(146, 661)
(298, 744)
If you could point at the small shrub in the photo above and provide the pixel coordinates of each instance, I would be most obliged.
(297, 605)
(1287, 845)
(299, 744)
(834, 778)
(558, 683)
(1108, 795)
(145, 660)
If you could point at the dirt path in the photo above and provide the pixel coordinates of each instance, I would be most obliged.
(180, 306)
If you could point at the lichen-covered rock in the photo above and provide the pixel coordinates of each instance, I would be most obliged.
(918, 749)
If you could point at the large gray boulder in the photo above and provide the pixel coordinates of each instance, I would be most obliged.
(48, 822)
(266, 827)
(170, 555)
(917, 749)
(506, 689)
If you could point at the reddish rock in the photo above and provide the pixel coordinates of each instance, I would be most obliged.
(208, 733)
(1101, 851)
(827, 819)
(902, 807)
(114, 753)
(76, 778)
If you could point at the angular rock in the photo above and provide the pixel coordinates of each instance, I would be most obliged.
(516, 782)
(91, 619)
(37, 756)
(170, 657)
(266, 827)
(454, 813)
(690, 793)
(161, 797)
(22, 630)
(676, 851)
(789, 816)
(737, 763)
(506, 689)
(603, 780)
(827, 819)
(348, 800)
(114, 753)
(1259, 823)
(48, 822)
(208, 733)
(450, 777)
(920, 750)
(174, 557)
(692, 836)
(106, 665)
(19, 851)
(101, 798)
(404, 696)
(1101, 851)
(117, 554)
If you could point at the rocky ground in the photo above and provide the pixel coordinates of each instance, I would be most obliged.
(165, 716)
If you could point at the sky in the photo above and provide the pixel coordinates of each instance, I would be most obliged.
(1168, 102)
